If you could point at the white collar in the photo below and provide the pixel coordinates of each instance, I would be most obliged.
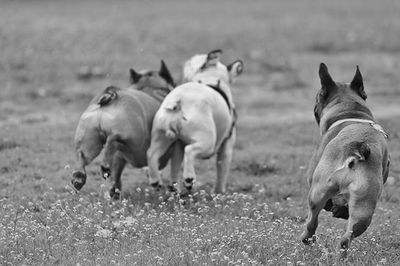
(359, 120)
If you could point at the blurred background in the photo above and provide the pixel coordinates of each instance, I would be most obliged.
(56, 55)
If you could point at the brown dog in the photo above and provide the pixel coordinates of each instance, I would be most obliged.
(120, 120)
(351, 163)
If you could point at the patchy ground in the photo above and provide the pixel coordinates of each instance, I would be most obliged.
(45, 46)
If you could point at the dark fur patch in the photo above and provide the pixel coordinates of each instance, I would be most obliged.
(337, 210)
(357, 146)
(134, 77)
(328, 205)
(165, 74)
(340, 212)
(108, 95)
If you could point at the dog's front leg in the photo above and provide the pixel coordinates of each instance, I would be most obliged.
(224, 159)
(317, 198)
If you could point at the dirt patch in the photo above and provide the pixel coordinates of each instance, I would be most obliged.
(255, 168)
(8, 145)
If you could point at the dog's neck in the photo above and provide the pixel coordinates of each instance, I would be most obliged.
(354, 120)
(365, 121)
(344, 111)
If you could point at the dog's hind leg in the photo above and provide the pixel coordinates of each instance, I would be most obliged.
(224, 159)
(88, 144)
(110, 150)
(159, 146)
(361, 211)
(115, 147)
(203, 146)
(317, 198)
(117, 166)
(176, 163)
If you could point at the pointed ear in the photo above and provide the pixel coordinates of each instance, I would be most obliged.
(235, 68)
(134, 76)
(325, 77)
(213, 57)
(357, 84)
(165, 74)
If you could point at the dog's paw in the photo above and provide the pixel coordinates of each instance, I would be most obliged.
(172, 188)
(105, 171)
(188, 183)
(307, 239)
(78, 179)
(115, 193)
(156, 185)
(345, 243)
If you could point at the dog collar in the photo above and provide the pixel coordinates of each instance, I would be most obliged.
(357, 120)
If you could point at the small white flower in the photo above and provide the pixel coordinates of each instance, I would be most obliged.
(104, 233)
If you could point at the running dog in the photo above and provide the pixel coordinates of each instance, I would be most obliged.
(200, 116)
(351, 163)
(120, 121)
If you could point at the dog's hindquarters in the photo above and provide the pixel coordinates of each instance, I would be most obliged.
(351, 191)
(364, 166)
(89, 141)
(89, 137)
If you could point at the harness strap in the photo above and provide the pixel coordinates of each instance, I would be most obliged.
(221, 92)
(234, 113)
(376, 126)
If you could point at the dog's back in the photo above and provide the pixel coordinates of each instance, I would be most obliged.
(193, 104)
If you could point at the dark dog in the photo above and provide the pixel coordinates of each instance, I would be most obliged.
(120, 121)
(351, 163)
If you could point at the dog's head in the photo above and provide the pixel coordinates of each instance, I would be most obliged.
(347, 95)
(152, 79)
(208, 69)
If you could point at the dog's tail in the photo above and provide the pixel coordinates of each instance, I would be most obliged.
(174, 107)
(108, 95)
(175, 110)
(355, 152)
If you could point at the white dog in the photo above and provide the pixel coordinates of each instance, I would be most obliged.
(199, 116)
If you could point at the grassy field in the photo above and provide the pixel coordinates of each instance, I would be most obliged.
(45, 44)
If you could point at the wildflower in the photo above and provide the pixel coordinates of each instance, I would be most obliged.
(104, 233)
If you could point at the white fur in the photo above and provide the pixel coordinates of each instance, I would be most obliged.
(199, 117)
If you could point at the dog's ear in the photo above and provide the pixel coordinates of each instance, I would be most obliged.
(357, 84)
(235, 68)
(165, 74)
(213, 58)
(326, 79)
(134, 76)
